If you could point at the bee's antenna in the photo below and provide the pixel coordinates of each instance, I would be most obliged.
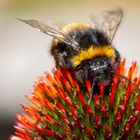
(129, 80)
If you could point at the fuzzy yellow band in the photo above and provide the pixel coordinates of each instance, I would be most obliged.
(93, 52)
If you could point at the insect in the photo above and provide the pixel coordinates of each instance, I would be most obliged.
(86, 49)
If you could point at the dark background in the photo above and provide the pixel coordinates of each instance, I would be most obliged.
(24, 51)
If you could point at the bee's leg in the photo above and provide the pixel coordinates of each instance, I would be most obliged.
(91, 92)
(121, 76)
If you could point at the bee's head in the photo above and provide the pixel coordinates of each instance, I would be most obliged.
(97, 69)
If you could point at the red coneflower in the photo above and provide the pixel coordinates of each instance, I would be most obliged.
(59, 109)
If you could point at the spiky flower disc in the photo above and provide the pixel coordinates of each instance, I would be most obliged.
(59, 109)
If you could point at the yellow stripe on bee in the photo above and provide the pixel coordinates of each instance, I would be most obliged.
(93, 52)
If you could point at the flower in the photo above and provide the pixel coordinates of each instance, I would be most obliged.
(59, 109)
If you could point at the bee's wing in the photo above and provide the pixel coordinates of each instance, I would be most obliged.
(108, 21)
(50, 30)
(56, 24)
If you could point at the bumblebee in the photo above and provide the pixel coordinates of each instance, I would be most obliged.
(86, 49)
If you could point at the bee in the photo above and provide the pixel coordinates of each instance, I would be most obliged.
(86, 49)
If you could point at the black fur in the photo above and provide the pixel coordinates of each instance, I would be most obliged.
(87, 69)
(88, 36)
(85, 38)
